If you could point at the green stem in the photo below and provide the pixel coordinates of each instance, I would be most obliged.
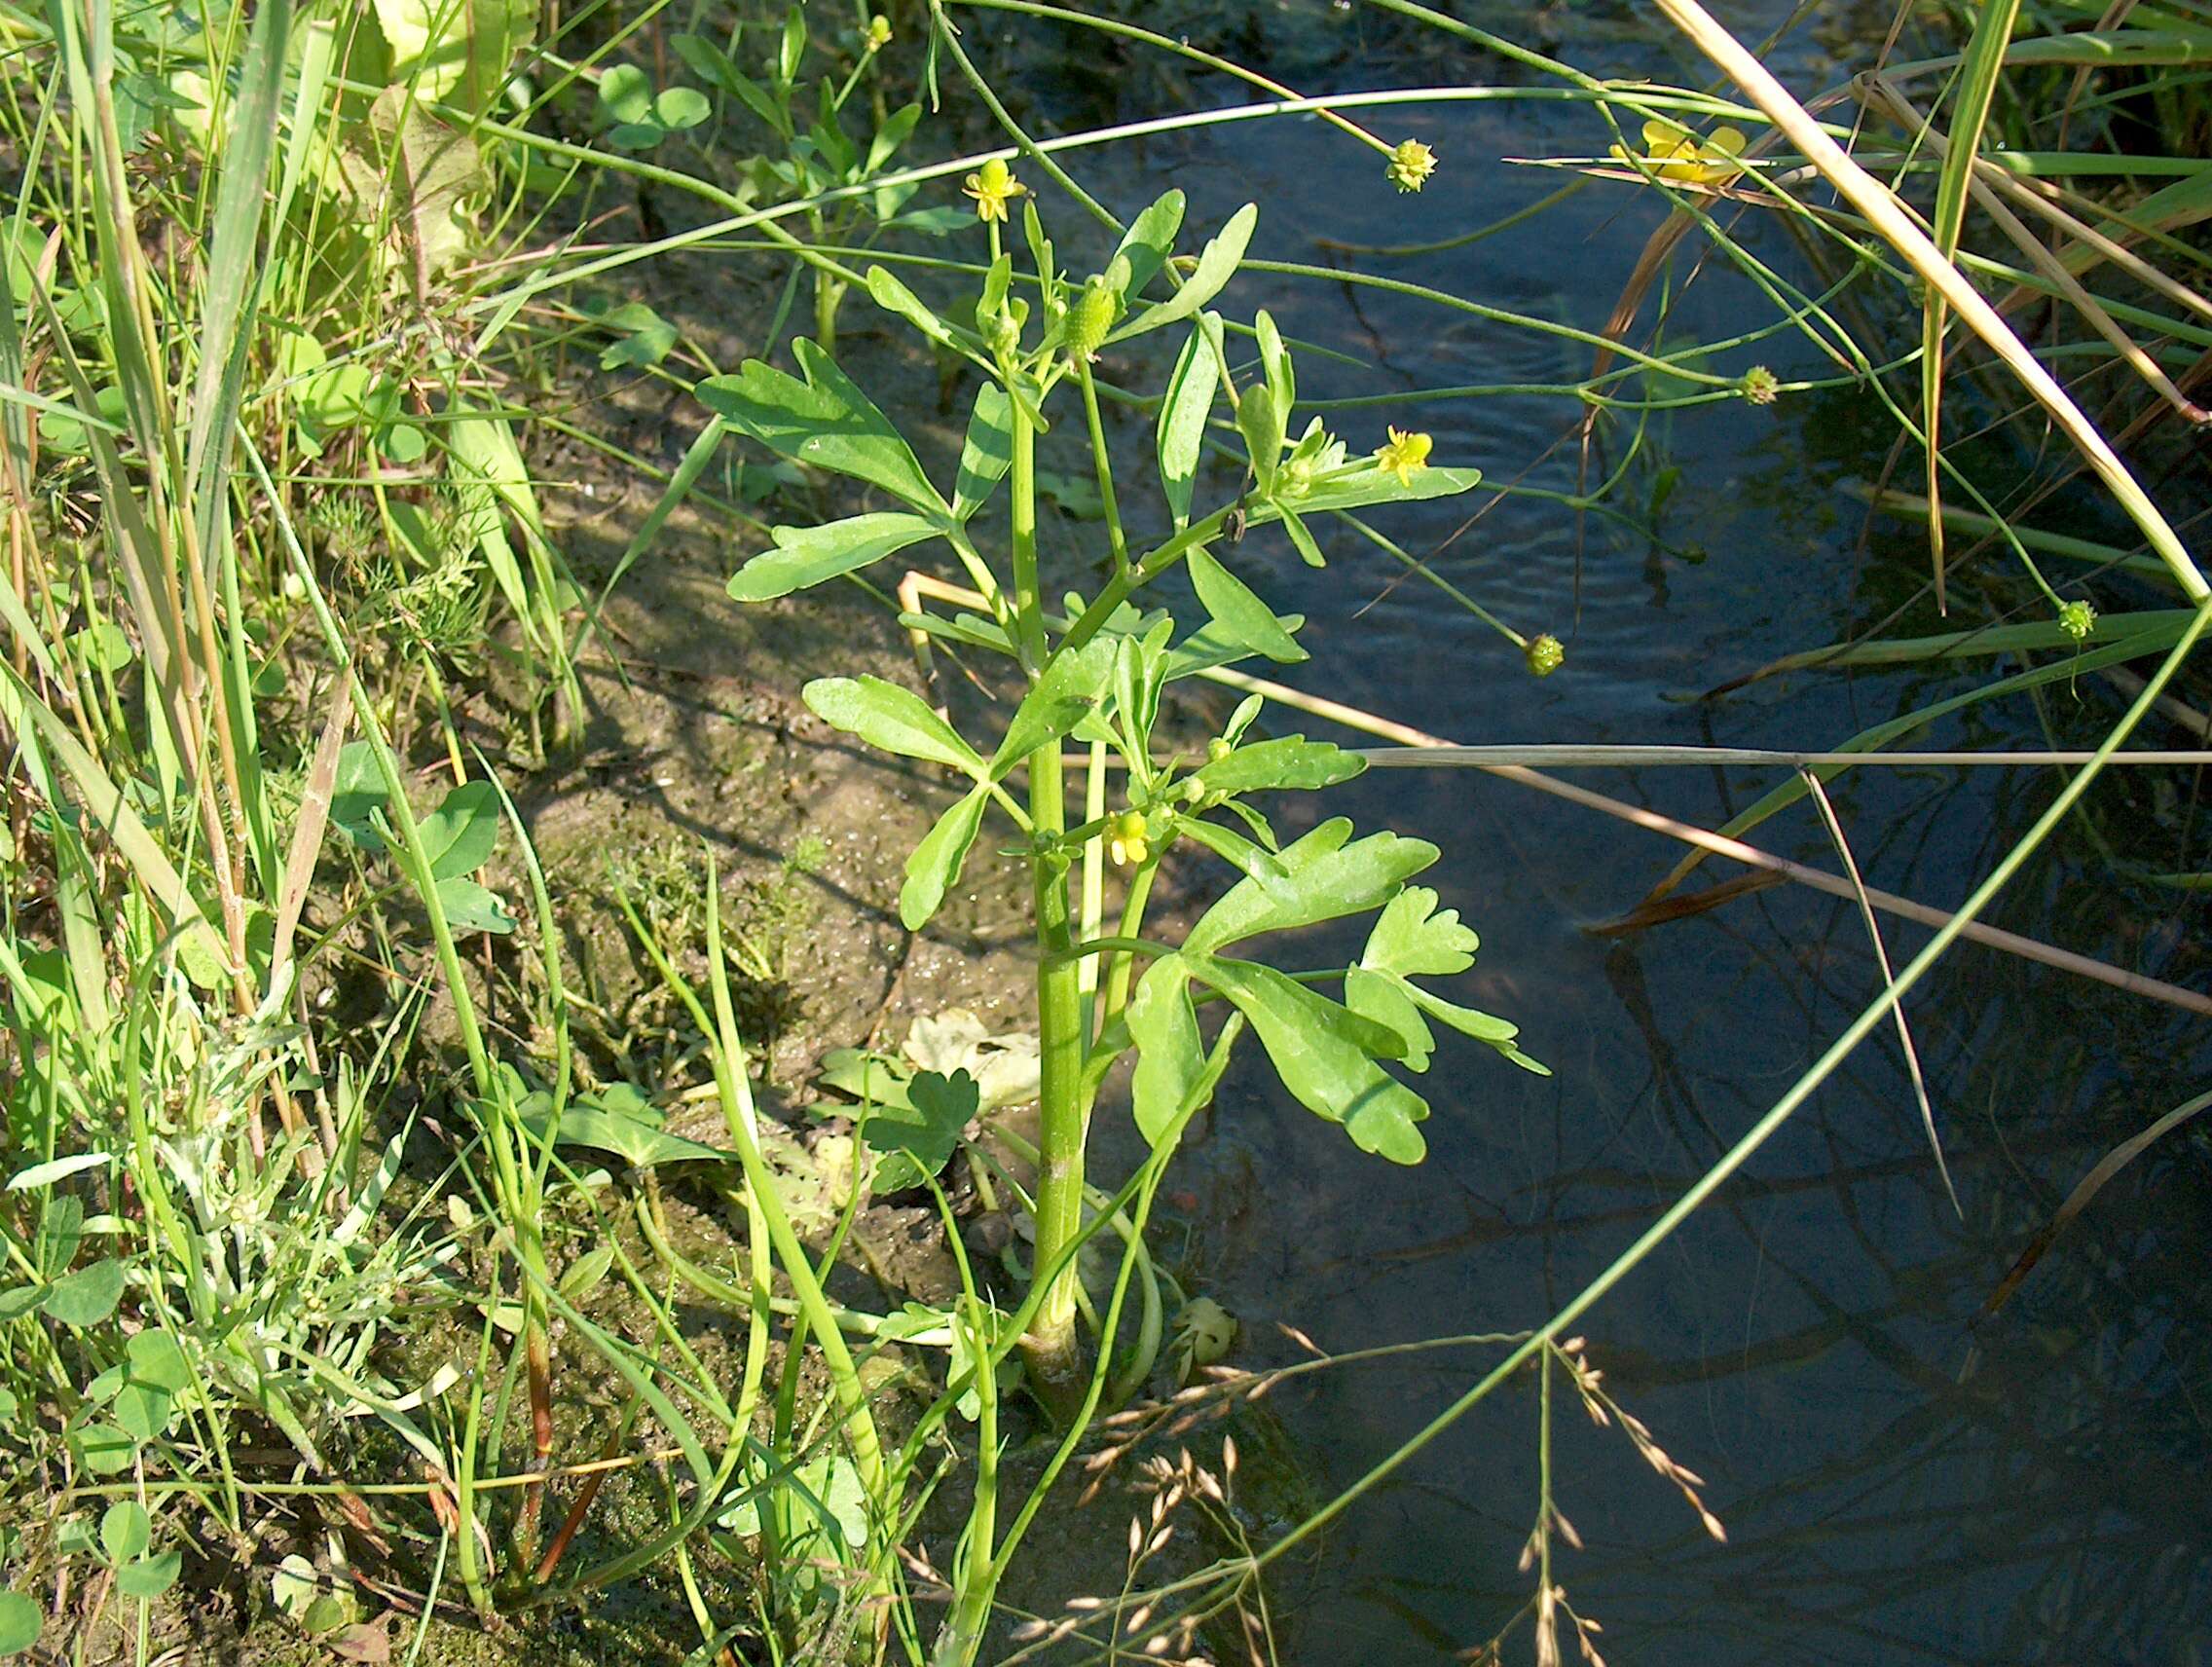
(1104, 465)
(1125, 965)
(1128, 579)
(1051, 1347)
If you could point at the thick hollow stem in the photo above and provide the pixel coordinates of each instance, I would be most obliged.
(1053, 1348)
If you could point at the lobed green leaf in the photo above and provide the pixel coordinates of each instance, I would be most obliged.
(825, 421)
(1325, 1055)
(1235, 608)
(1325, 880)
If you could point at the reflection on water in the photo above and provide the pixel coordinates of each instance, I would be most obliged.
(1901, 1480)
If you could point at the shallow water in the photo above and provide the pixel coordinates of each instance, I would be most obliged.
(1899, 1480)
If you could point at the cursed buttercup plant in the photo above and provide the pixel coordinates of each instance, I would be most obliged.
(1095, 668)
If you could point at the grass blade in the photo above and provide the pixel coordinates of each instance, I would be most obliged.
(235, 266)
(1890, 220)
(1978, 87)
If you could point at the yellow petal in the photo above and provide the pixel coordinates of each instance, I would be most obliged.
(1661, 137)
(1728, 141)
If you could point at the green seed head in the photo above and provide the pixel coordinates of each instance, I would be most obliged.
(1411, 165)
(1760, 386)
(2078, 619)
(1544, 655)
(1091, 318)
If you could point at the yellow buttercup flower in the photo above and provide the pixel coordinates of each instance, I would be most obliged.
(1405, 456)
(1673, 152)
(992, 186)
(1125, 838)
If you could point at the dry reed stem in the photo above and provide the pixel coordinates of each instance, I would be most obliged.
(1818, 880)
(1889, 217)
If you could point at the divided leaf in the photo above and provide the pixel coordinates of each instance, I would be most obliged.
(919, 1138)
(1413, 937)
(1324, 879)
(1287, 762)
(1237, 610)
(1326, 1056)
(825, 421)
(1061, 699)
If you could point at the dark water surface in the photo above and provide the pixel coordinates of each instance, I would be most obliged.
(1899, 1481)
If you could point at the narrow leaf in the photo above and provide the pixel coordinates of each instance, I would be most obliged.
(1164, 1023)
(1970, 114)
(1148, 243)
(806, 556)
(1183, 414)
(893, 296)
(1376, 486)
(1217, 265)
(933, 867)
(987, 451)
(894, 719)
